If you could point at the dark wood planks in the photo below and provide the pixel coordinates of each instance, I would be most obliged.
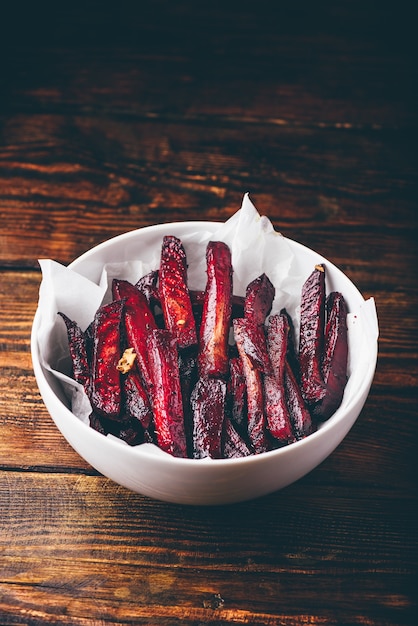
(154, 560)
(75, 182)
(328, 64)
(115, 119)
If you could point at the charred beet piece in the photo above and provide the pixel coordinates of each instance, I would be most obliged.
(253, 340)
(148, 285)
(216, 315)
(106, 388)
(233, 445)
(166, 392)
(78, 353)
(336, 339)
(174, 292)
(299, 413)
(138, 322)
(312, 325)
(334, 364)
(257, 423)
(96, 422)
(88, 338)
(123, 290)
(188, 379)
(136, 401)
(277, 412)
(131, 432)
(292, 354)
(259, 298)
(127, 429)
(277, 341)
(208, 406)
(237, 394)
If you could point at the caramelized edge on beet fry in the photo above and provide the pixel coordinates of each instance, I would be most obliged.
(311, 342)
(188, 379)
(256, 420)
(254, 342)
(292, 353)
(78, 353)
(174, 292)
(277, 411)
(148, 285)
(167, 402)
(233, 444)
(208, 406)
(259, 298)
(299, 412)
(216, 315)
(237, 394)
(136, 400)
(138, 322)
(106, 388)
(335, 357)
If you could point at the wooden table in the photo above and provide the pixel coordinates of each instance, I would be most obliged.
(117, 118)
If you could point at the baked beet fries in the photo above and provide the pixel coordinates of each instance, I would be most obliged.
(210, 374)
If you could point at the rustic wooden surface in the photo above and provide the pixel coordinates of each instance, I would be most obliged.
(117, 118)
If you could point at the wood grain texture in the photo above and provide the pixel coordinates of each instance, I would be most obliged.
(75, 183)
(336, 64)
(139, 113)
(169, 552)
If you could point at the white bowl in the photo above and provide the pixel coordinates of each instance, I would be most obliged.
(153, 473)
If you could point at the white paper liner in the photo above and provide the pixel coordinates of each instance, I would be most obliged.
(255, 247)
